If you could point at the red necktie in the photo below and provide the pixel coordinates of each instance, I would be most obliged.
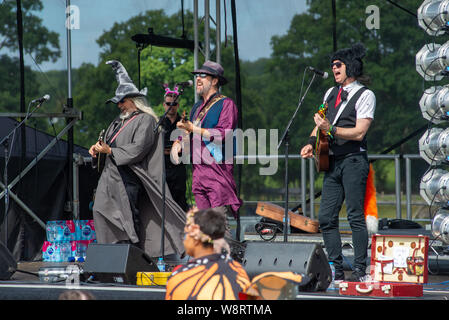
(337, 102)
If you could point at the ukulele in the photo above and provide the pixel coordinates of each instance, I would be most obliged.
(322, 144)
(175, 156)
(101, 157)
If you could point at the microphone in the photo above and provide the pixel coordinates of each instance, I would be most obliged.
(185, 84)
(42, 99)
(322, 74)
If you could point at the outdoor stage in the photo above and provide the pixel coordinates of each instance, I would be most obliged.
(27, 285)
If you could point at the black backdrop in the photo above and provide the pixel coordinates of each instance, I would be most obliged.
(44, 189)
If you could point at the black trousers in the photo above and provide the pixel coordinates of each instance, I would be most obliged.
(134, 190)
(345, 181)
(176, 177)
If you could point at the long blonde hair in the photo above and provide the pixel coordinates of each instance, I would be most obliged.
(142, 104)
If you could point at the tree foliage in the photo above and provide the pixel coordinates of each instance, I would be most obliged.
(37, 39)
(96, 84)
(38, 42)
(271, 87)
(390, 62)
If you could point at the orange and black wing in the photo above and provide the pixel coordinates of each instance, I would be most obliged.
(215, 280)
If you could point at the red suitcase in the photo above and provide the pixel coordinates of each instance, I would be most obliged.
(381, 289)
(398, 268)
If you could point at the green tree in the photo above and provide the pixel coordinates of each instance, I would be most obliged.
(95, 84)
(167, 66)
(271, 87)
(390, 62)
(38, 41)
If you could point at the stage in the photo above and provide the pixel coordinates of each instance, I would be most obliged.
(26, 285)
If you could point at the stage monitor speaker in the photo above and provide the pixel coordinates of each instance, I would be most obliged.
(117, 263)
(299, 257)
(7, 263)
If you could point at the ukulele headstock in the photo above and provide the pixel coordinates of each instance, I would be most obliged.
(101, 135)
(322, 110)
(184, 118)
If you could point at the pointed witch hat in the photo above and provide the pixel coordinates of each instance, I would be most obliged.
(126, 87)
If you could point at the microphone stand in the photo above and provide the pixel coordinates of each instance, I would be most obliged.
(5, 142)
(164, 175)
(285, 139)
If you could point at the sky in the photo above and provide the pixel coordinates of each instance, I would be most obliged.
(257, 22)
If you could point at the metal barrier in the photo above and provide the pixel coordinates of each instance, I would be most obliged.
(308, 210)
(308, 178)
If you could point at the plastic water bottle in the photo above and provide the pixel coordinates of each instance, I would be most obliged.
(332, 284)
(51, 236)
(65, 248)
(289, 230)
(161, 264)
(81, 248)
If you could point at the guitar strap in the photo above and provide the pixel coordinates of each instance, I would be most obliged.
(119, 129)
(212, 100)
(202, 119)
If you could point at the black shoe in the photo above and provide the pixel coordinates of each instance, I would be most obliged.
(357, 276)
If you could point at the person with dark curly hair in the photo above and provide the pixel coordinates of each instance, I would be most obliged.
(211, 274)
(350, 112)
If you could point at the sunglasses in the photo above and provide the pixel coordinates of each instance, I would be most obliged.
(171, 104)
(337, 64)
(202, 75)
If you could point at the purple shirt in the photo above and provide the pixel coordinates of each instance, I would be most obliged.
(213, 183)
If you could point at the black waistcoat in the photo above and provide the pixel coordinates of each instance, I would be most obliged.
(347, 119)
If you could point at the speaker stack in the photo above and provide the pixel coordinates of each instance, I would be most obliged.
(117, 263)
(299, 257)
(120, 263)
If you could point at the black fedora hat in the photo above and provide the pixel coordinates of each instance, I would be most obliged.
(213, 69)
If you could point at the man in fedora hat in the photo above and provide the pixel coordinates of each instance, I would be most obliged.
(128, 200)
(212, 121)
(350, 113)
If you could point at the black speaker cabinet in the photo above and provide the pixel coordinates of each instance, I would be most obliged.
(300, 257)
(117, 263)
(7, 263)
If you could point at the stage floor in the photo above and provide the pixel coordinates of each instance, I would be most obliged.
(26, 286)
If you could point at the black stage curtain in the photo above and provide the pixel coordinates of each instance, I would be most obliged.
(43, 189)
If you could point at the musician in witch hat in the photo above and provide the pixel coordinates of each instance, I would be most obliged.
(349, 115)
(128, 201)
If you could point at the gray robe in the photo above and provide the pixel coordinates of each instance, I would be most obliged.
(141, 149)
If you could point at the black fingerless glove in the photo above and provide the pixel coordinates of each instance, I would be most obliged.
(312, 141)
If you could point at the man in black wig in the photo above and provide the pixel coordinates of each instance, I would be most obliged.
(349, 115)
